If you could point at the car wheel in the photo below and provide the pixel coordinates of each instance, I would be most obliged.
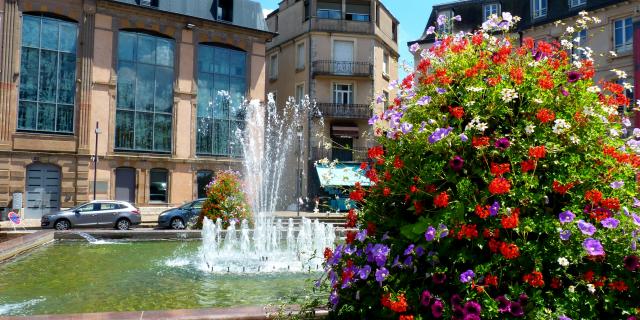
(62, 225)
(123, 224)
(177, 224)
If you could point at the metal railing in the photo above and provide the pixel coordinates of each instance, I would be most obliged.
(357, 154)
(342, 68)
(347, 111)
(331, 24)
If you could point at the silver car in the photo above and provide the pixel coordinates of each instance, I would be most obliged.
(99, 213)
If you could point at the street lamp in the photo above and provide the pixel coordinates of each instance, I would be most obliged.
(95, 159)
(299, 174)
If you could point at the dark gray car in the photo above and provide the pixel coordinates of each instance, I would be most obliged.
(180, 217)
(100, 213)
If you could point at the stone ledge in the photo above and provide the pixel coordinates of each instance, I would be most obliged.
(237, 313)
(16, 246)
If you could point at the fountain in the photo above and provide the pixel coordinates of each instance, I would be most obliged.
(268, 247)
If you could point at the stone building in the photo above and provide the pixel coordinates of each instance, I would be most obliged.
(342, 54)
(147, 71)
(612, 40)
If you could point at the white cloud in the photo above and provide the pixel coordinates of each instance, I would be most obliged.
(266, 12)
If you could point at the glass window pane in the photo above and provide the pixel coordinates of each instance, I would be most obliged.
(48, 75)
(49, 34)
(158, 185)
(205, 100)
(221, 62)
(146, 49)
(618, 37)
(68, 35)
(235, 148)
(164, 52)
(144, 131)
(162, 133)
(204, 178)
(164, 90)
(237, 97)
(237, 64)
(31, 31)
(145, 86)
(205, 59)
(126, 86)
(221, 96)
(27, 115)
(67, 79)
(124, 129)
(126, 46)
(204, 135)
(64, 117)
(221, 137)
(46, 117)
(29, 74)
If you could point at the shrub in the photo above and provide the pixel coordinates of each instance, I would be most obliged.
(502, 190)
(225, 200)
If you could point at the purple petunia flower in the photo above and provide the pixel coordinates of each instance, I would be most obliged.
(593, 247)
(349, 250)
(431, 30)
(441, 19)
(617, 184)
(494, 209)
(430, 234)
(361, 235)
(502, 143)
(457, 18)
(636, 203)
(456, 164)
(586, 227)
(523, 298)
(631, 262)
(443, 230)
(610, 223)
(564, 91)
(414, 48)
(563, 317)
(381, 274)
(439, 134)
(406, 127)
(463, 137)
(409, 249)
(419, 251)
(456, 300)
(472, 307)
(636, 219)
(441, 90)
(565, 234)
(504, 305)
(363, 273)
(516, 309)
(467, 276)
(573, 76)
(334, 298)
(439, 278)
(425, 298)
(437, 308)
(566, 216)
(378, 253)
(424, 101)
(471, 317)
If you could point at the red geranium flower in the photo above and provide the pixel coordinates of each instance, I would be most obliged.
(545, 115)
(491, 280)
(509, 250)
(376, 152)
(594, 196)
(498, 169)
(398, 163)
(528, 165)
(535, 279)
(511, 221)
(560, 188)
(479, 142)
(499, 186)
(441, 200)
(456, 112)
(538, 152)
(482, 212)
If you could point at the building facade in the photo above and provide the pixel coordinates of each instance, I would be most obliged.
(614, 41)
(144, 71)
(342, 54)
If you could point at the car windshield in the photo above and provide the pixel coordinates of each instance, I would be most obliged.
(186, 205)
(79, 206)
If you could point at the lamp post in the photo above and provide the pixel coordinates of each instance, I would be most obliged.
(95, 159)
(298, 173)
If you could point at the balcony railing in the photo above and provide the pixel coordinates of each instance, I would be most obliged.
(346, 111)
(342, 68)
(343, 154)
(344, 26)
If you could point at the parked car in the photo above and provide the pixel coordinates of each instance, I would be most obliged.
(178, 218)
(98, 213)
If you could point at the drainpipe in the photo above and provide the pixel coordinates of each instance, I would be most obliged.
(309, 66)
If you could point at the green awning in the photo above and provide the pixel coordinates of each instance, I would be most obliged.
(341, 175)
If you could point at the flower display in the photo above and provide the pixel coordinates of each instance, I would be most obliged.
(226, 200)
(508, 193)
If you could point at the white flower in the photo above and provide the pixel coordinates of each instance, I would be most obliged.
(474, 89)
(574, 139)
(529, 129)
(627, 86)
(596, 20)
(508, 95)
(482, 127)
(591, 288)
(614, 133)
(588, 111)
(613, 53)
(593, 89)
(571, 30)
(560, 126)
(563, 261)
(576, 62)
(583, 13)
(536, 100)
(566, 44)
(572, 289)
(469, 103)
(476, 124)
(621, 74)
(327, 146)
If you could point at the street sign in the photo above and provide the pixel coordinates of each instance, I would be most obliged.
(17, 201)
(14, 218)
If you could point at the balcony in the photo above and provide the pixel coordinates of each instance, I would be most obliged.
(341, 154)
(330, 24)
(344, 111)
(342, 68)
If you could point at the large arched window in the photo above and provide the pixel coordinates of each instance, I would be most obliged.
(221, 90)
(47, 75)
(145, 93)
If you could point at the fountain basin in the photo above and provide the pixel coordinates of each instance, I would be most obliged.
(75, 277)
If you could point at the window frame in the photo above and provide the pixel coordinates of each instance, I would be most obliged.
(350, 93)
(301, 60)
(38, 101)
(541, 11)
(624, 47)
(447, 27)
(299, 95)
(386, 61)
(273, 70)
(167, 190)
(485, 16)
(576, 3)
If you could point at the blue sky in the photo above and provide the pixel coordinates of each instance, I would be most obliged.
(412, 14)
